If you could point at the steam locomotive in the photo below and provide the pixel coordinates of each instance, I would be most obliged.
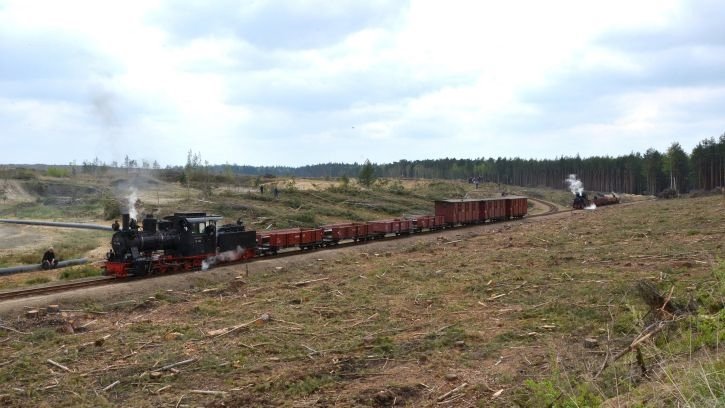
(581, 201)
(183, 241)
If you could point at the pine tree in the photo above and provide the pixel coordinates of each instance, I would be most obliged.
(367, 174)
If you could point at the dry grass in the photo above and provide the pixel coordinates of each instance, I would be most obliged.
(504, 309)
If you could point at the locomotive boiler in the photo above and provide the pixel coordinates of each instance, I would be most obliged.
(182, 241)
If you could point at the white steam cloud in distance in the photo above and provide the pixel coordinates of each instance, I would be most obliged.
(575, 185)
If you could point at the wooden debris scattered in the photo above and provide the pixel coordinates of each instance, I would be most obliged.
(307, 282)
(226, 330)
(165, 387)
(648, 332)
(8, 328)
(61, 366)
(98, 342)
(208, 392)
(591, 342)
(451, 393)
(113, 384)
(170, 366)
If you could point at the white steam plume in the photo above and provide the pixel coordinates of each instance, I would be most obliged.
(226, 256)
(132, 198)
(575, 185)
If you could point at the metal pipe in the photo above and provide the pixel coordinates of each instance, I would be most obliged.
(59, 224)
(29, 268)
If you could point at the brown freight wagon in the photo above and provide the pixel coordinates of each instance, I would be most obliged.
(383, 227)
(338, 232)
(396, 226)
(273, 241)
(493, 209)
(463, 211)
(516, 206)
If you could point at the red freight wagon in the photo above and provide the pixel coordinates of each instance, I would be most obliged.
(516, 207)
(406, 226)
(272, 241)
(310, 238)
(463, 211)
(440, 221)
(338, 232)
(423, 222)
(361, 231)
(494, 209)
(383, 227)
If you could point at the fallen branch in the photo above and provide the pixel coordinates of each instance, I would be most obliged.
(307, 282)
(453, 391)
(113, 384)
(646, 334)
(61, 366)
(165, 387)
(12, 330)
(170, 366)
(208, 392)
(224, 331)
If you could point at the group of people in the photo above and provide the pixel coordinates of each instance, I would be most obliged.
(474, 180)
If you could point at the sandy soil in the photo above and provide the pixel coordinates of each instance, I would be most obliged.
(15, 193)
(14, 237)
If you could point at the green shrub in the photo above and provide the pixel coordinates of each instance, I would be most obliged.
(58, 172)
(77, 272)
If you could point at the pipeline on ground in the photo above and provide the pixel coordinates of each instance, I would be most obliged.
(59, 224)
(35, 267)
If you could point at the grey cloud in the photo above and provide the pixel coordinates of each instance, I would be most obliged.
(276, 24)
(44, 55)
(379, 85)
(699, 23)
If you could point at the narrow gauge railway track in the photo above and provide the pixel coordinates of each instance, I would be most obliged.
(46, 290)
(552, 208)
(50, 289)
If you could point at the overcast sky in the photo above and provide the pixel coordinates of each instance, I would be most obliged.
(268, 82)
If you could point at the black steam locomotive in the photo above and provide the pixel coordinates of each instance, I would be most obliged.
(183, 241)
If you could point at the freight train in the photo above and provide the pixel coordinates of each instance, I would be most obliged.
(192, 240)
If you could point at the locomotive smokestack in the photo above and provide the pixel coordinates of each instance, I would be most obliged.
(125, 220)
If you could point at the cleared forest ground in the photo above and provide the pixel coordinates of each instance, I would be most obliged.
(510, 314)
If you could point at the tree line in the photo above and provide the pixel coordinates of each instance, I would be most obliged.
(635, 173)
